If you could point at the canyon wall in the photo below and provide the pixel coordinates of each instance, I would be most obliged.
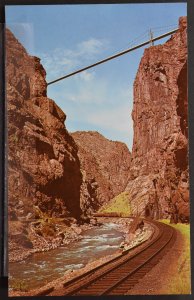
(55, 179)
(159, 183)
(43, 164)
(44, 175)
(105, 167)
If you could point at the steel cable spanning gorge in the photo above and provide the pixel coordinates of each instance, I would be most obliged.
(119, 275)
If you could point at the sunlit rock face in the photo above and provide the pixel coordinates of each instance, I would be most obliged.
(43, 166)
(53, 176)
(160, 116)
(105, 167)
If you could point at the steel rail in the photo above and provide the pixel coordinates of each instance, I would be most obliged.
(121, 257)
(119, 275)
(114, 56)
(119, 261)
(81, 289)
(121, 280)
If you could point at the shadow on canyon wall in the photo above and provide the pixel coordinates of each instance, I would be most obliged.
(54, 175)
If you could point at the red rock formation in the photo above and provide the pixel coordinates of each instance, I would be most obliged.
(43, 167)
(160, 146)
(44, 176)
(105, 168)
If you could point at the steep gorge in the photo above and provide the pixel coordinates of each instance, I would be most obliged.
(55, 175)
(55, 179)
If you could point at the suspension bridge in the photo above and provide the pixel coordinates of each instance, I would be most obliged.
(150, 41)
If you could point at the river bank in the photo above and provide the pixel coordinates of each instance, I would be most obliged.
(97, 245)
(22, 246)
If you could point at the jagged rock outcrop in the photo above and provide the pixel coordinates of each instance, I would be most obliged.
(159, 170)
(43, 167)
(105, 168)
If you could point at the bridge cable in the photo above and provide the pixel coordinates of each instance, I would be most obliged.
(114, 56)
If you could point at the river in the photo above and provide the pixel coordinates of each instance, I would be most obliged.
(40, 268)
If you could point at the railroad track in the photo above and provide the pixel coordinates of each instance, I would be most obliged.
(119, 275)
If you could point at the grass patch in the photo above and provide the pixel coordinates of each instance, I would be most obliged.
(181, 281)
(119, 204)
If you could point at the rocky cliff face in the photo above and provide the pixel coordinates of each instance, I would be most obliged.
(43, 162)
(43, 167)
(159, 170)
(105, 168)
(50, 182)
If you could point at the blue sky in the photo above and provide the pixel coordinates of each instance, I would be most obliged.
(68, 37)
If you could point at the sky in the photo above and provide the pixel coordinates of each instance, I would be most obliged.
(69, 37)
